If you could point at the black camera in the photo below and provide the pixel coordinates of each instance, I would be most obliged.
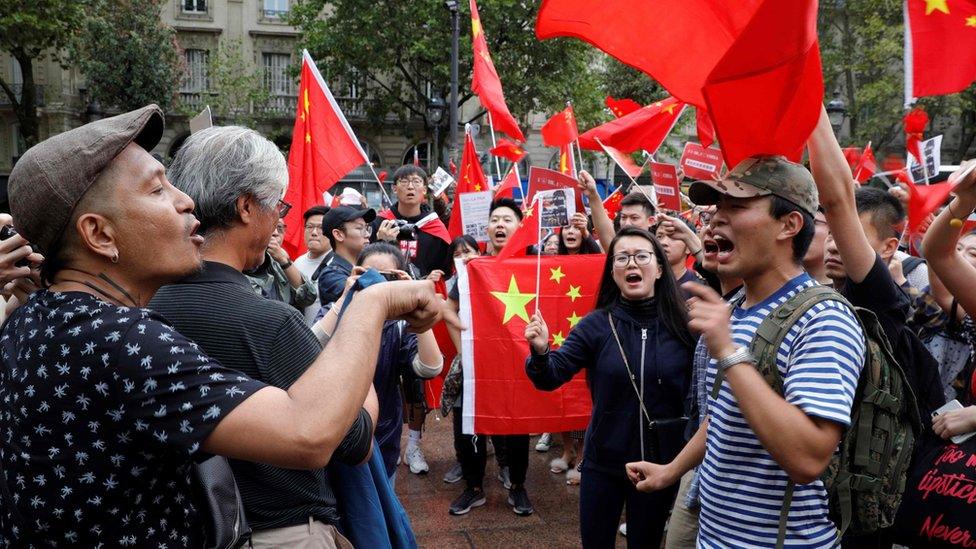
(390, 277)
(408, 231)
(8, 231)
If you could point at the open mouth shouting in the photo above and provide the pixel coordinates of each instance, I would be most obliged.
(718, 247)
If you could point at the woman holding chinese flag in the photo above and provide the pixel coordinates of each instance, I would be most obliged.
(637, 352)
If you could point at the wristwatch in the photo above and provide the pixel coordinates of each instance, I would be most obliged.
(286, 265)
(738, 356)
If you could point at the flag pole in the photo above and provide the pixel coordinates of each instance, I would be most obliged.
(538, 257)
(579, 153)
(380, 183)
(519, 178)
(491, 126)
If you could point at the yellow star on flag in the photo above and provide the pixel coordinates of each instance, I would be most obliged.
(971, 21)
(515, 301)
(527, 213)
(475, 27)
(556, 274)
(477, 186)
(574, 292)
(308, 138)
(573, 320)
(558, 339)
(936, 5)
(670, 109)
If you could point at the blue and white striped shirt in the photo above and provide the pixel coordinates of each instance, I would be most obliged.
(742, 487)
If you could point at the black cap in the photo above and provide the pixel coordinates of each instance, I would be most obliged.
(343, 214)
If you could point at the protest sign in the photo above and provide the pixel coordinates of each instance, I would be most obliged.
(699, 162)
(932, 152)
(201, 121)
(556, 206)
(665, 178)
(440, 181)
(475, 209)
(541, 179)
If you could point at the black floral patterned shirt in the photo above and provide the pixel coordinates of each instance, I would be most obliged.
(102, 410)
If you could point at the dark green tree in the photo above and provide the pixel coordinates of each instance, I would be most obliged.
(31, 30)
(128, 55)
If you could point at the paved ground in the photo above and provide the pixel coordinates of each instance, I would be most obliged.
(555, 522)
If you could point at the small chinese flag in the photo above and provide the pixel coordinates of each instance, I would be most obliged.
(323, 150)
(561, 129)
(508, 185)
(940, 56)
(612, 203)
(471, 179)
(526, 235)
(508, 150)
(867, 165)
(915, 122)
(486, 83)
(624, 161)
(621, 107)
(923, 200)
(644, 129)
(500, 296)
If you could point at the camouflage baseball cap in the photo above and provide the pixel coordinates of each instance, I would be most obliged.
(761, 176)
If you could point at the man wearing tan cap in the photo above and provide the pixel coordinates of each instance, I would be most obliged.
(103, 405)
(758, 440)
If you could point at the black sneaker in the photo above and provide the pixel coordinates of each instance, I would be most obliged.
(518, 498)
(469, 498)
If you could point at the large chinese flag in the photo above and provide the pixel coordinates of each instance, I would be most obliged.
(498, 396)
(323, 150)
(940, 46)
(754, 64)
(486, 83)
(471, 179)
(644, 129)
(560, 130)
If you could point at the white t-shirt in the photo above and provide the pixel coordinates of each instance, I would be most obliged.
(742, 487)
(307, 265)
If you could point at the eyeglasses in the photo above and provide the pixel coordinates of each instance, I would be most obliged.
(641, 259)
(312, 227)
(280, 228)
(704, 218)
(365, 230)
(283, 208)
(413, 182)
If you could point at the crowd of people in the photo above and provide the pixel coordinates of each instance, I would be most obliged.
(748, 360)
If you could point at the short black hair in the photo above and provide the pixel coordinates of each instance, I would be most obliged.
(384, 248)
(638, 199)
(506, 203)
(887, 212)
(463, 240)
(407, 170)
(315, 210)
(779, 207)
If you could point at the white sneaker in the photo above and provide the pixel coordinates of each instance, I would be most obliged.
(416, 461)
(623, 529)
(545, 442)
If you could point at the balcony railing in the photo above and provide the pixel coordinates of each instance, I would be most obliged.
(277, 105)
(18, 91)
(276, 14)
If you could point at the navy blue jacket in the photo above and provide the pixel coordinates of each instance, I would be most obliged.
(397, 351)
(613, 437)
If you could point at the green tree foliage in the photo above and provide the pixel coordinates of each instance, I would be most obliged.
(239, 94)
(29, 30)
(128, 55)
(396, 49)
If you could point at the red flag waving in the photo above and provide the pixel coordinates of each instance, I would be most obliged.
(754, 64)
(644, 129)
(621, 107)
(867, 166)
(612, 203)
(486, 83)
(323, 150)
(508, 185)
(560, 129)
(915, 122)
(508, 150)
(624, 161)
(923, 200)
(940, 56)
(502, 398)
(526, 235)
(706, 130)
(471, 179)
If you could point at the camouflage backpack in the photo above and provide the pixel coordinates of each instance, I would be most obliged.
(865, 478)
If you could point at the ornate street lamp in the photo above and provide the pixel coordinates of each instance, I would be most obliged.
(434, 115)
(837, 112)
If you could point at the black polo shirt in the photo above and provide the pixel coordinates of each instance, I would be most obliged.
(269, 341)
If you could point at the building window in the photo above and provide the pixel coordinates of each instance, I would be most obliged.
(195, 79)
(280, 85)
(194, 6)
(275, 8)
(17, 144)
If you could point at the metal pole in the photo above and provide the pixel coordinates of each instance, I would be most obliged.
(498, 169)
(455, 36)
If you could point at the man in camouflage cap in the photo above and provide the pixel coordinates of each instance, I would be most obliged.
(760, 439)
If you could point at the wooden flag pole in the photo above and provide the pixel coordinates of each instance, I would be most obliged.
(380, 183)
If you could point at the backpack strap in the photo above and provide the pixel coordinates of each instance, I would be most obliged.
(774, 329)
(784, 514)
